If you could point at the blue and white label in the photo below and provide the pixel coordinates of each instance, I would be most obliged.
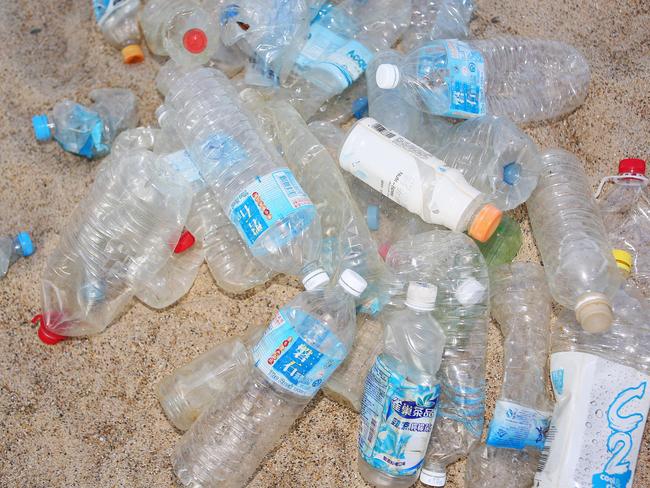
(463, 71)
(514, 426)
(266, 200)
(103, 8)
(286, 359)
(397, 418)
(182, 163)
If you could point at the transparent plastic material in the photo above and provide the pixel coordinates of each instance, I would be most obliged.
(232, 156)
(226, 444)
(437, 19)
(11, 250)
(527, 80)
(571, 237)
(118, 22)
(521, 304)
(503, 246)
(353, 102)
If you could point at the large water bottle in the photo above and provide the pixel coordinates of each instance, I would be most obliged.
(89, 131)
(571, 237)
(14, 248)
(260, 195)
(521, 304)
(118, 238)
(303, 345)
(527, 80)
(401, 393)
(118, 22)
(601, 389)
(437, 19)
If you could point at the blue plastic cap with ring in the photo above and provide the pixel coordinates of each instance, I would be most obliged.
(511, 173)
(41, 127)
(372, 217)
(360, 108)
(25, 243)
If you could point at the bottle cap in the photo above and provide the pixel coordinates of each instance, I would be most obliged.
(351, 282)
(372, 217)
(633, 166)
(485, 223)
(594, 313)
(315, 279)
(44, 334)
(185, 241)
(383, 250)
(195, 40)
(41, 127)
(624, 260)
(26, 244)
(421, 296)
(360, 108)
(132, 54)
(387, 76)
(511, 173)
(470, 292)
(433, 478)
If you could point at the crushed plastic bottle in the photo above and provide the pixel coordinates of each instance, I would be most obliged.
(437, 19)
(303, 345)
(503, 246)
(14, 248)
(527, 80)
(572, 241)
(352, 102)
(118, 22)
(521, 304)
(89, 131)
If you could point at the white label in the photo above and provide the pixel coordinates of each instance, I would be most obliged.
(597, 424)
(182, 162)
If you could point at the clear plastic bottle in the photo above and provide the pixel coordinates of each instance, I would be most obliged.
(401, 394)
(525, 79)
(504, 244)
(260, 195)
(521, 304)
(89, 132)
(352, 102)
(303, 345)
(571, 237)
(14, 248)
(437, 19)
(118, 22)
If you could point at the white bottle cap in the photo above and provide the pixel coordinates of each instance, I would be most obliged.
(315, 279)
(387, 76)
(470, 292)
(433, 478)
(352, 283)
(421, 296)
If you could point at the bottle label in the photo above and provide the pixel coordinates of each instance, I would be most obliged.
(103, 8)
(266, 200)
(284, 357)
(597, 423)
(396, 420)
(182, 163)
(516, 427)
(464, 77)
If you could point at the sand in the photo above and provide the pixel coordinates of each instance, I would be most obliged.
(84, 413)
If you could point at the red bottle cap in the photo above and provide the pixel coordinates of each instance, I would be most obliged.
(632, 166)
(195, 41)
(44, 334)
(186, 241)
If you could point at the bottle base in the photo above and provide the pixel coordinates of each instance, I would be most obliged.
(380, 479)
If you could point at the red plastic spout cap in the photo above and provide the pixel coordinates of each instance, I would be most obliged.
(632, 166)
(383, 250)
(44, 334)
(195, 41)
(186, 241)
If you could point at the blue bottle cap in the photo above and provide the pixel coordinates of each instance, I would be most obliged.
(360, 108)
(511, 173)
(41, 128)
(26, 244)
(372, 217)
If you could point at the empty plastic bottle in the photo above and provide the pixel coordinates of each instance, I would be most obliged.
(352, 102)
(303, 345)
(571, 237)
(521, 304)
(504, 244)
(89, 132)
(118, 22)
(437, 19)
(14, 248)
(527, 80)
(401, 393)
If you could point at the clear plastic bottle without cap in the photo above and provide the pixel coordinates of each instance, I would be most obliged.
(14, 248)
(303, 345)
(572, 241)
(118, 22)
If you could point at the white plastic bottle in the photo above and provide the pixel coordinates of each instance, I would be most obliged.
(571, 237)
(401, 393)
(118, 22)
(527, 80)
(303, 345)
(14, 248)
(416, 180)
(521, 304)
(437, 19)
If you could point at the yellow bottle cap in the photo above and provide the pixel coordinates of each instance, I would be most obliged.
(623, 260)
(132, 54)
(485, 223)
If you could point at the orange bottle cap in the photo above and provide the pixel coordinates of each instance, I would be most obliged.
(485, 223)
(132, 54)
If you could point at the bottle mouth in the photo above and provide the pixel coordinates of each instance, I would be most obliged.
(46, 335)
(594, 313)
(185, 242)
(624, 260)
(132, 54)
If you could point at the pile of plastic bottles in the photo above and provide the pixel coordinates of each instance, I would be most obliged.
(395, 222)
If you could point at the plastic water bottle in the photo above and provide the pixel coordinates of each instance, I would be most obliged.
(600, 383)
(118, 238)
(352, 102)
(89, 131)
(401, 393)
(527, 80)
(437, 19)
(303, 345)
(118, 22)
(182, 30)
(521, 304)
(260, 195)
(416, 180)
(571, 237)
(14, 248)
(503, 246)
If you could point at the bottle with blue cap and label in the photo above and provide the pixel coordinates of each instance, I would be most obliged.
(14, 248)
